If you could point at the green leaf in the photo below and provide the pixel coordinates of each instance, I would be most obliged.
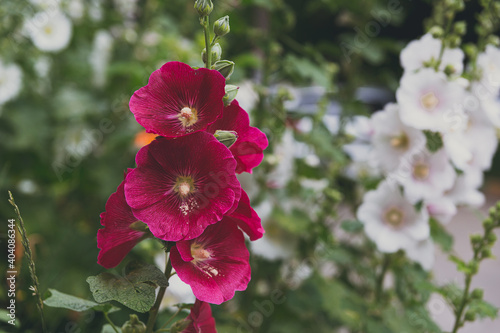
(441, 236)
(4, 317)
(462, 266)
(434, 141)
(483, 309)
(136, 290)
(58, 299)
(352, 226)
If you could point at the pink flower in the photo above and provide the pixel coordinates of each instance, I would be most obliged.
(246, 218)
(117, 237)
(215, 264)
(200, 318)
(248, 148)
(179, 100)
(183, 185)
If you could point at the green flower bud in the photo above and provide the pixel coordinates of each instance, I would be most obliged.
(477, 294)
(133, 325)
(488, 222)
(203, 7)
(486, 253)
(179, 326)
(493, 40)
(460, 28)
(225, 67)
(216, 51)
(228, 138)
(231, 92)
(449, 70)
(492, 238)
(476, 239)
(436, 31)
(455, 41)
(470, 316)
(471, 50)
(474, 267)
(221, 26)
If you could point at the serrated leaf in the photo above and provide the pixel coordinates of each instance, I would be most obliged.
(483, 309)
(462, 266)
(136, 290)
(57, 299)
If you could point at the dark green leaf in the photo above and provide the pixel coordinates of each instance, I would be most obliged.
(58, 299)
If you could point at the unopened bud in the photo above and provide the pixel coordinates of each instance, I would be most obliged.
(493, 40)
(486, 253)
(476, 238)
(225, 67)
(470, 316)
(133, 325)
(221, 26)
(488, 222)
(492, 238)
(180, 326)
(231, 92)
(228, 138)
(477, 294)
(460, 28)
(455, 41)
(216, 52)
(449, 70)
(203, 7)
(436, 31)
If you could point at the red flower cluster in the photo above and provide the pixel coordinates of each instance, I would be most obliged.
(184, 188)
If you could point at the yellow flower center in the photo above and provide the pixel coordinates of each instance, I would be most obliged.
(188, 116)
(394, 217)
(429, 101)
(421, 171)
(198, 252)
(400, 141)
(184, 186)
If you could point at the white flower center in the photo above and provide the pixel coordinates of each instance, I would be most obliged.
(186, 113)
(429, 101)
(198, 252)
(184, 188)
(188, 116)
(394, 217)
(421, 171)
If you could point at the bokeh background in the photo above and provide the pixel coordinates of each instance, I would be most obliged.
(68, 135)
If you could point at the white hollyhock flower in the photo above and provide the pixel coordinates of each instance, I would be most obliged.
(491, 106)
(422, 252)
(428, 101)
(489, 64)
(418, 52)
(75, 9)
(50, 31)
(465, 189)
(100, 56)
(424, 175)
(390, 220)
(393, 141)
(442, 208)
(361, 128)
(10, 81)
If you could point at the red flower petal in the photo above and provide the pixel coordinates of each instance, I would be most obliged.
(220, 262)
(201, 319)
(197, 165)
(175, 86)
(116, 239)
(248, 148)
(247, 219)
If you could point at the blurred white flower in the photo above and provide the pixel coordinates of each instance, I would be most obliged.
(425, 175)
(247, 96)
(332, 122)
(422, 252)
(304, 125)
(75, 9)
(489, 63)
(361, 129)
(42, 66)
(390, 220)
(465, 189)
(45, 4)
(418, 52)
(491, 106)
(10, 81)
(362, 169)
(127, 8)
(393, 141)
(428, 101)
(95, 10)
(100, 56)
(27, 186)
(50, 31)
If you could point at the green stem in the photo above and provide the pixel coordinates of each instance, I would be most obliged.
(31, 263)
(446, 33)
(463, 303)
(110, 322)
(208, 45)
(379, 286)
(153, 313)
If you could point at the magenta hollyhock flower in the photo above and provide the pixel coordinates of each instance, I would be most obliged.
(179, 100)
(121, 232)
(200, 319)
(183, 185)
(246, 218)
(248, 148)
(214, 264)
